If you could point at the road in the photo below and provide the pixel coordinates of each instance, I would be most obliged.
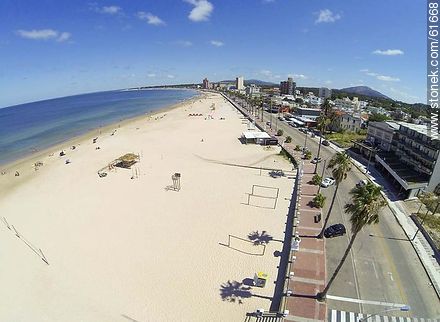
(383, 266)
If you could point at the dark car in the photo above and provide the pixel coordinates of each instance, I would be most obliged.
(325, 142)
(335, 230)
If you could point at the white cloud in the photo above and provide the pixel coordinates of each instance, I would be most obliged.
(183, 43)
(265, 72)
(296, 76)
(151, 75)
(327, 16)
(387, 78)
(201, 11)
(217, 43)
(64, 36)
(388, 52)
(171, 76)
(380, 77)
(150, 18)
(111, 10)
(44, 34)
(328, 82)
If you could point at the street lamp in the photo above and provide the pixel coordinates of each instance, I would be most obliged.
(423, 220)
(404, 308)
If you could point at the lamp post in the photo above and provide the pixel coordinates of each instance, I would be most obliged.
(405, 308)
(423, 220)
(319, 151)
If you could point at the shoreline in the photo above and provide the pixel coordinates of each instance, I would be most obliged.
(25, 164)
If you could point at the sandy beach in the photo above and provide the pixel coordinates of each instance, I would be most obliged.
(126, 247)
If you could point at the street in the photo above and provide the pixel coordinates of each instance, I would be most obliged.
(383, 269)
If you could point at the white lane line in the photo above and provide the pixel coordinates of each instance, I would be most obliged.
(334, 318)
(352, 300)
(375, 270)
(385, 318)
(342, 316)
(352, 318)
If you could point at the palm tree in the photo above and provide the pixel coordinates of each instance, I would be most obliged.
(366, 202)
(340, 164)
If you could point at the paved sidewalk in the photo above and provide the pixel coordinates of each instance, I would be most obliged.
(308, 263)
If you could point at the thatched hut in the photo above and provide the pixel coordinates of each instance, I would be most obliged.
(126, 161)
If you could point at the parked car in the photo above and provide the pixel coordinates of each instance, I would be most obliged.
(335, 230)
(325, 142)
(362, 183)
(327, 182)
(316, 160)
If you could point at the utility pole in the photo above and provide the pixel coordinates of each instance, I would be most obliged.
(319, 151)
(423, 220)
(322, 175)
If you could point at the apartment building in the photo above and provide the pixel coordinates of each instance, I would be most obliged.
(412, 160)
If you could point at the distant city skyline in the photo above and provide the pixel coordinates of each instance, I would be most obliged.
(60, 48)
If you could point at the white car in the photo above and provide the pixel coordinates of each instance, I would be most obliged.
(327, 182)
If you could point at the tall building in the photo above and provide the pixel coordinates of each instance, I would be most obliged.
(288, 87)
(205, 84)
(239, 83)
(324, 92)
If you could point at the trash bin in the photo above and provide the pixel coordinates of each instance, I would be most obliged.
(317, 218)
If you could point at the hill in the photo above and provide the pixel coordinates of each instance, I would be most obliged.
(365, 91)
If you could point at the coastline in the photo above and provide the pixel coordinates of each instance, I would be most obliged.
(25, 165)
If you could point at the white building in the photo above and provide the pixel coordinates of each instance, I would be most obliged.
(324, 92)
(239, 83)
(253, 90)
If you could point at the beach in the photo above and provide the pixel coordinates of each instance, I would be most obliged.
(129, 246)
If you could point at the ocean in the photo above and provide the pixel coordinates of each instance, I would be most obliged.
(30, 127)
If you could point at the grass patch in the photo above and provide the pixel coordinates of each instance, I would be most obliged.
(345, 139)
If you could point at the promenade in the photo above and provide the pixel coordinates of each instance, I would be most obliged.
(306, 269)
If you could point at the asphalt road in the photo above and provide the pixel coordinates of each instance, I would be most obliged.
(382, 266)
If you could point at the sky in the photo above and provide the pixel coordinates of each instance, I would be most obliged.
(54, 48)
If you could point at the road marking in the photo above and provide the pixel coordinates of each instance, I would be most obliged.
(391, 276)
(375, 270)
(352, 300)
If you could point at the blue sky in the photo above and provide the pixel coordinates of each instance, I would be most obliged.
(52, 48)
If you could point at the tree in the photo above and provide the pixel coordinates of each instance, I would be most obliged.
(377, 117)
(280, 132)
(340, 164)
(297, 147)
(308, 155)
(319, 200)
(288, 139)
(317, 179)
(366, 202)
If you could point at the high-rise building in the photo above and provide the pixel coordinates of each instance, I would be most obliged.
(324, 92)
(205, 84)
(239, 83)
(288, 87)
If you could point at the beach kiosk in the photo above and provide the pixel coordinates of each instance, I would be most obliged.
(260, 279)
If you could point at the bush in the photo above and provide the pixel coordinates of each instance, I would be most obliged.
(319, 200)
(280, 132)
(288, 139)
(298, 147)
(317, 179)
(308, 155)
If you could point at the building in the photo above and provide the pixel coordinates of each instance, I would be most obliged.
(346, 122)
(206, 84)
(253, 90)
(308, 113)
(313, 100)
(289, 87)
(381, 134)
(239, 83)
(324, 93)
(412, 161)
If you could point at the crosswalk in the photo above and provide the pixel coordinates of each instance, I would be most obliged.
(343, 316)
